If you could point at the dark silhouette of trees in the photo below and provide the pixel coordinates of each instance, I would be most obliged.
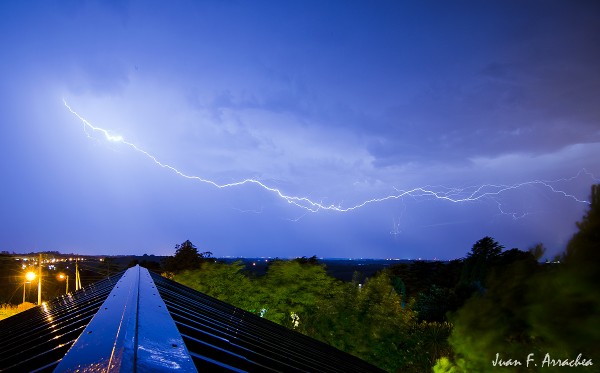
(432, 286)
(417, 276)
(186, 257)
(304, 260)
(148, 264)
(435, 303)
(483, 255)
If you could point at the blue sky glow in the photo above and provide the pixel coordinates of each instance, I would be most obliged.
(337, 102)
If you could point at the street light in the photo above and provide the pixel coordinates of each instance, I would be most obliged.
(62, 276)
(29, 276)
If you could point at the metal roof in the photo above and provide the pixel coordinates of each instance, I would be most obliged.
(141, 321)
(37, 339)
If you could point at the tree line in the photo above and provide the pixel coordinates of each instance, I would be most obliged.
(491, 307)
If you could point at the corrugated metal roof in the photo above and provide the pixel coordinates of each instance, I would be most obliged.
(37, 339)
(221, 336)
(136, 320)
(131, 332)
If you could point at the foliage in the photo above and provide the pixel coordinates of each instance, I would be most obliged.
(416, 277)
(496, 321)
(225, 282)
(583, 251)
(445, 365)
(432, 343)
(433, 304)
(295, 287)
(536, 309)
(397, 319)
(433, 285)
(570, 289)
(367, 321)
(382, 324)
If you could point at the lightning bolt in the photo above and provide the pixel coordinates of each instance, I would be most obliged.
(395, 227)
(453, 195)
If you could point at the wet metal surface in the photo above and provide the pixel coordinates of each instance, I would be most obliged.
(110, 335)
(37, 339)
(139, 321)
(160, 346)
(132, 331)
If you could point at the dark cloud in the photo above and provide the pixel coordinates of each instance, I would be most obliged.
(341, 102)
(537, 94)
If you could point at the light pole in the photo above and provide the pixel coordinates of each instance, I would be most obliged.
(62, 276)
(29, 276)
(40, 281)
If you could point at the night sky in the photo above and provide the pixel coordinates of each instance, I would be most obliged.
(337, 102)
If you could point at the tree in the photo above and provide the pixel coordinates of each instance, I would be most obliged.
(497, 321)
(433, 304)
(148, 264)
(226, 282)
(186, 257)
(432, 343)
(551, 309)
(566, 298)
(368, 322)
(584, 248)
(294, 287)
(483, 255)
(304, 260)
(417, 276)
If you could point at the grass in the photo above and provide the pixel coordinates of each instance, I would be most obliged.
(7, 310)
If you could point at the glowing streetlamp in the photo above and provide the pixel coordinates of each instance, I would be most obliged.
(29, 276)
(62, 276)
